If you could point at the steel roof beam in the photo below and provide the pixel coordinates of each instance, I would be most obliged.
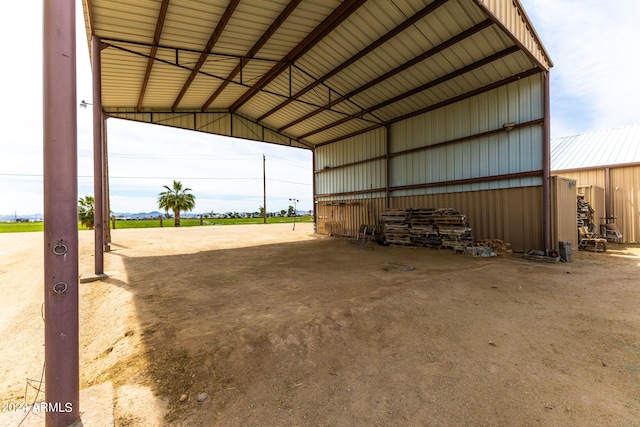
(226, 16)
(421, 88)
(332, 21)
(254, 50)
(385, 38)
(422, 57)
(154, 49)
(467, 95)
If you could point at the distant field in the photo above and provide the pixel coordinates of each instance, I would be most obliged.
(19, 227)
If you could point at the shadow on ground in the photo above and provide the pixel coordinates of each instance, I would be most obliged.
(325, 333)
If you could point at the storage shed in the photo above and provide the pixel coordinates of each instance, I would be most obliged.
(404, 104)
(606, 167)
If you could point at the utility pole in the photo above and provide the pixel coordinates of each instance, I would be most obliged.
(264, 188)
(295, 210)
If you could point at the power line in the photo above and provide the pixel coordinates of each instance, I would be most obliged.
(163, 178)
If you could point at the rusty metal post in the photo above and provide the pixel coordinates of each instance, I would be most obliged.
(387, 162)
(608, 193)
(316, 220)
(61, 336)
(105, 185)
(264, 189)
(546, 165)
(98, 158)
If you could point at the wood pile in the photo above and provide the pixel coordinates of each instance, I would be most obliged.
(444, 227)
(500, 247)
(585, 215)
(396, 226)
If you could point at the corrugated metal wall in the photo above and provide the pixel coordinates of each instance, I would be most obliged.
(354, 164)
(625, 196)
(513, 215)
(344, 217)
(463, 141)
(519, 150)
(218, 123)
(564, 223)
(625, 188)
(516, 20)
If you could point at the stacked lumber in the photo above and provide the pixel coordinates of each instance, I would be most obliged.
(585, 215)
(444, 227)
(396, 226)
(453, 228)
(423, 230)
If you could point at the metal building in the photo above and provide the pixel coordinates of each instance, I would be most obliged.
(404, 103)
(606, 167)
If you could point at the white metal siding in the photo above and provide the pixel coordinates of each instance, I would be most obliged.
(504, 153)
(359, 177)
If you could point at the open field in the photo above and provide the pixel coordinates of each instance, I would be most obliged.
(23, 227)
(283, 327)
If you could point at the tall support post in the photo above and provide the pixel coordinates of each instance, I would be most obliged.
(107, 200)
(60, 171)
(546, 165)
(316, 220)
(608, 205)
(98, 158)
(387, 162)
(264, 188)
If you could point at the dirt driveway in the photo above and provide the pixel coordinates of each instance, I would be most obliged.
(281, 327)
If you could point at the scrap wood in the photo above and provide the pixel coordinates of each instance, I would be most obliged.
(497, 245)
(442, 227)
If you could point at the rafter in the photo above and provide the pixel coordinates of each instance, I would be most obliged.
(154, 49)
(332, 21)
(523, 75)
(254, 50)
(385, 38)
(421, 88)
(226, 16)
(422, 57)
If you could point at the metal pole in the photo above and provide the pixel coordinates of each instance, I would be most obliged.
(388, 167)
(264, 188)
(546, 165)
(316, 220)
(607, 195)
(61, 336)
(105, 181)
(98, 158)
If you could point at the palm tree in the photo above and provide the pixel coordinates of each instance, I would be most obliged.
(176, 199)
(85, 211)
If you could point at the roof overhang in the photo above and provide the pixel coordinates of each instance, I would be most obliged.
(304, 73)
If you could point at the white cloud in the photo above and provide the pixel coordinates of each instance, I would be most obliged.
(592, 43)
(593, 86)
(225, 174)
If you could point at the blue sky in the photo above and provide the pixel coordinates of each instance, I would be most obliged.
(594, 85)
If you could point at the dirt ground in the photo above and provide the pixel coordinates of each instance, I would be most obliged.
(282, 327)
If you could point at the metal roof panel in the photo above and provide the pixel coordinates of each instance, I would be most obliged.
(599, 148)
(308, 61)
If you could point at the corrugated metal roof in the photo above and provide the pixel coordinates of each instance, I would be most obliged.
(596, 149)
(312, 71)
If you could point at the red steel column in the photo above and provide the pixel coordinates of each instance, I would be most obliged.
(546, 165)
(61, 337)
(608, 206)
(387, 162)
(98, 158)
(316, 220)
(105, 182)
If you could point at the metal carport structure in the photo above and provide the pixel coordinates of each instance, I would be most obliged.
(382, 92)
